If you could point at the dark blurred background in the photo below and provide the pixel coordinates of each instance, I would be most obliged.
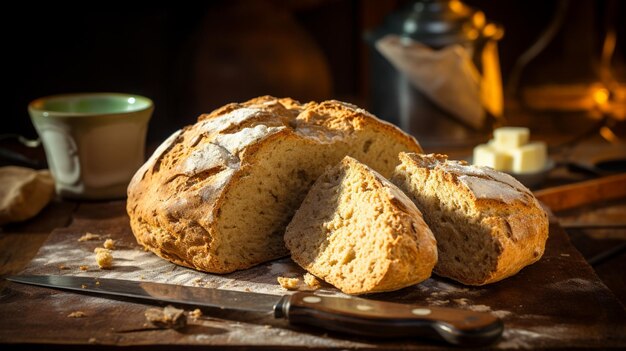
(192, 57)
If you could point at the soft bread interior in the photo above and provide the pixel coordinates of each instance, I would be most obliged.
(255, 211)
(466, 248)
(488, 225)
(352, 232)
(216, 196)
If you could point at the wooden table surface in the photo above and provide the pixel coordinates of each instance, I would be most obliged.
(555, 303)
(573, 315)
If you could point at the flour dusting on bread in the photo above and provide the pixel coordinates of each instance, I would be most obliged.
(488, 226)
(217, 196)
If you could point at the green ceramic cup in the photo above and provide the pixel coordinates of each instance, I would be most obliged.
(94, 142)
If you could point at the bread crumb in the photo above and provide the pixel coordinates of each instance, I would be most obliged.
(89, 236)
(62, 267)
(169, 317)
(77, 314)
(104, 258)
(97, 283)
(84, 286)
(92, 340)
(109, 244)
(84, 268)
(196, 313)
(289, 283)
(247, 290)
(308, 283)
(311, 281)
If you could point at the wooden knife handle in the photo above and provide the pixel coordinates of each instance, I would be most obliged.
(385, 319)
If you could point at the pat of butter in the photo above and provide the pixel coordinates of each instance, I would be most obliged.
(529, 158)
(510, 137)
(486, 155)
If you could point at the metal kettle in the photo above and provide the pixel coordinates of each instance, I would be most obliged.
(436, 24)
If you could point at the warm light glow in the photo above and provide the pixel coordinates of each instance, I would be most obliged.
(456, 6)
(608, 134)
(601, 96)
(490, 30)
(472, 34)
(608, 49)
(479, 19)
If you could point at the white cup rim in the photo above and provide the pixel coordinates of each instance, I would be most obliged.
(38, 104)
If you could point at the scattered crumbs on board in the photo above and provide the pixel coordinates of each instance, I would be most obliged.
(89, 236)
(197, 313)
(104, 257)
(311, 281)
(289, 283)
(168, 317)
(109, 244)
(77, 314)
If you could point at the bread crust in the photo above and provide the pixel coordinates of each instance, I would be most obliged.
(515, 222)
(175, 199)
(407, 252)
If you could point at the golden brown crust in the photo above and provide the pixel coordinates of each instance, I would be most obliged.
(175, 200)
(499, 207)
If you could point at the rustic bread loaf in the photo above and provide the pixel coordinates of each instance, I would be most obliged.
(488, 226)
(217, 195)
(360, 233)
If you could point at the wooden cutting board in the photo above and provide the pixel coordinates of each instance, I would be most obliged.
(559, 302)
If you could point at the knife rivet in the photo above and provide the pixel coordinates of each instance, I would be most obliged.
(364, 307)
(421, 311)
(312, 299)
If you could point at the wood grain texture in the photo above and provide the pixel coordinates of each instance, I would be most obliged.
(559, 302)
(20, 241)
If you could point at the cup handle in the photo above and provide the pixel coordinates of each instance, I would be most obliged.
(62, 155)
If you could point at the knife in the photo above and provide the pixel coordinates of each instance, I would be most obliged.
(355, 316)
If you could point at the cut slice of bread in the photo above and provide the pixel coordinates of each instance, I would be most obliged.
(488, 226)
(360, 233)
(216, 196)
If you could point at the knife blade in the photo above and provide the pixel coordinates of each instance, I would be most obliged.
(357, 316)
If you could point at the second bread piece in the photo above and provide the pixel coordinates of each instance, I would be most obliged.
(360, 233)
(488, 226)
